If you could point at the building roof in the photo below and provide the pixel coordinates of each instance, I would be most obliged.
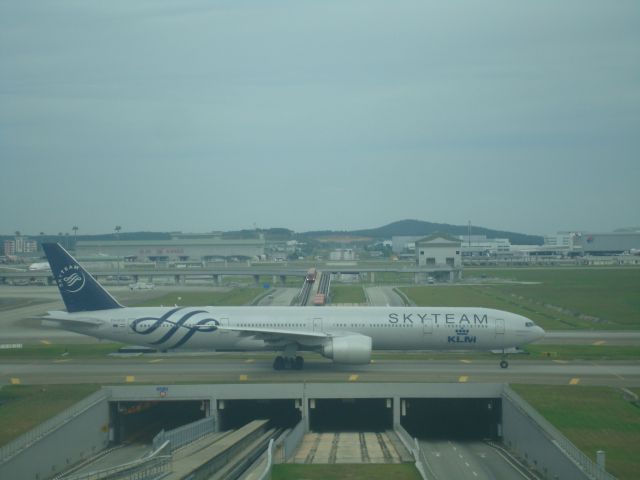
(439, 239)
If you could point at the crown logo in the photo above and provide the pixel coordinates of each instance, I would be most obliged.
(462, 331)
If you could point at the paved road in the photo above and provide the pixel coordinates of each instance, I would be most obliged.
(383, 296)
(473, 460)
(281, 297)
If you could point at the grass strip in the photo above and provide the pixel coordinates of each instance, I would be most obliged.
(23, 407)
(400, 471)
(593, 418)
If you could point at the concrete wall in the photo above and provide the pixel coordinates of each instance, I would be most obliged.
(75, 440)
(533, 444)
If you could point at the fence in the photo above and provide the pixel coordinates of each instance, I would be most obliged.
(45, 428)
(160, 462)
(185, 434)
(266, 474)
(556, 437)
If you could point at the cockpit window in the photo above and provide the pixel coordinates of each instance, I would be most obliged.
(529, 324)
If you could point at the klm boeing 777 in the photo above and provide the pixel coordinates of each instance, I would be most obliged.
(343, 334)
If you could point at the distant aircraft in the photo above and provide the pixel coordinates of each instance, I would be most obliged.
(344, 334)
(39, 266)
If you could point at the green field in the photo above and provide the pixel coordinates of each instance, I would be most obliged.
(593, 418)
(236, 296)
(402, 471)
(584, 298)
(24, 407)
(347, 294)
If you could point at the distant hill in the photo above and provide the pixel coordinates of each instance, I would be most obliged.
(419, 227)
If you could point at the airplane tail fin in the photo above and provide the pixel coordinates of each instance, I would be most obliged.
(79, 290)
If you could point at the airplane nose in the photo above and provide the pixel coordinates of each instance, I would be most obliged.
(539, 333)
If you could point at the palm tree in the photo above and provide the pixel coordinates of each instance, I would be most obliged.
(17, 232)
(117, 229)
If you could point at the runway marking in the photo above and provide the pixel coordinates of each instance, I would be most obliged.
(249, 360)
(130, 379)
(15, 381)
(244, 378)
(560, 361)
(353, 378)
(156, 360)
(64, 360)
(600, 342)
(45, 342)
(607, 370)
(465, 361)
(463, 379)
(474, 474)
(574, 381)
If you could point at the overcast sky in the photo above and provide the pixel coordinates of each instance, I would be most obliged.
(205, 115)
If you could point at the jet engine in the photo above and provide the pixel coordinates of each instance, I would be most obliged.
(348, 349)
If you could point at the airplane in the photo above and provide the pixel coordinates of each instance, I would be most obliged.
(347, 335)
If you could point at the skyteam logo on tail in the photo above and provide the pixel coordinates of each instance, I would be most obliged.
(71, 279)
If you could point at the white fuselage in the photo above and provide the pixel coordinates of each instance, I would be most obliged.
(234, 328)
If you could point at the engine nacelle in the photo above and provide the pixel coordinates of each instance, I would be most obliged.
(348, 349)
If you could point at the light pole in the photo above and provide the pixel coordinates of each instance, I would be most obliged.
(117, 229)
(75, 238)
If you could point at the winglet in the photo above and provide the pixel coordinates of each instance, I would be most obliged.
(79, 290)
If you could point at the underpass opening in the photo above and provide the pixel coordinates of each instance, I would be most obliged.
(140, 421)
(452, 418)
(350, 414)
(282, 413)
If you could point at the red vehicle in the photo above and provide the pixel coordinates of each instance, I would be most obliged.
(319, 299)
(311, 275)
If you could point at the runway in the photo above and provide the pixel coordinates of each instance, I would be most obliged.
(166, 369)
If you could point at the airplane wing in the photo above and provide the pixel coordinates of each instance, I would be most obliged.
(281, 335)
(65, 318)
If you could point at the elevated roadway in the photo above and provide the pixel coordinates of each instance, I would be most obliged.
(166, 369)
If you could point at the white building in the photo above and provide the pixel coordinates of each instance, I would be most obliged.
(481, 246)
(438, 250)
(342, 254)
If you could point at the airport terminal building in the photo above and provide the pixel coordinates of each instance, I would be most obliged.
(179, 248)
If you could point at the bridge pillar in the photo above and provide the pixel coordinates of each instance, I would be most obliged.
(305, 412)
(396, 411)
(135, 278)
(283, 280)
(373, 277)
(216, 280)
(256, 279)
(452, 276)
(213, 412)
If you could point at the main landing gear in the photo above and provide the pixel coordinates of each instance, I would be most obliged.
(288, 363)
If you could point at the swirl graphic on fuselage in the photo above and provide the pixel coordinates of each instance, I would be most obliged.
(148, 325)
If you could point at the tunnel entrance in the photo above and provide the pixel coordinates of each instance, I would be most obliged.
(141, 421)
(452, 418)
(350, 414)
(237, 413)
